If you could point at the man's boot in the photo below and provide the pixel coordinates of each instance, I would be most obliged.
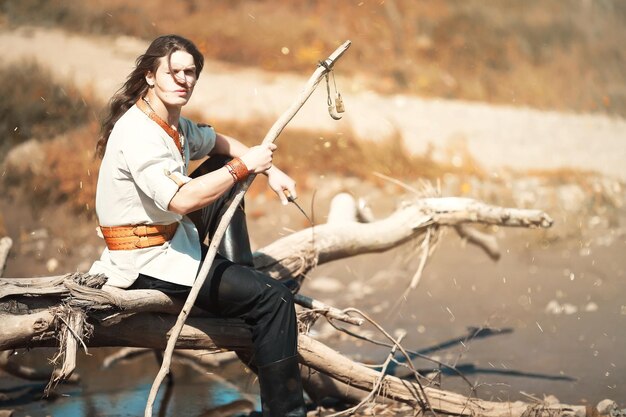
(281, 389)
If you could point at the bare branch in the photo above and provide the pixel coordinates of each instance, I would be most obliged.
(296, 254)
(377, 385)
(486, 242)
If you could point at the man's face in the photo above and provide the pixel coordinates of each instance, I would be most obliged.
(174, 88)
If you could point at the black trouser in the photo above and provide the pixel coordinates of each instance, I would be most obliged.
(232, 290)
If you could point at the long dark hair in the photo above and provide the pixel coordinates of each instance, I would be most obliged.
(136, 85)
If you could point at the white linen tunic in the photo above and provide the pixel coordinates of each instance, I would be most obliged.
(135, 186)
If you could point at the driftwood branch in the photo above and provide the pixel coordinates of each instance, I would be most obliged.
(485, 241)
(206, 334)
(298, 253)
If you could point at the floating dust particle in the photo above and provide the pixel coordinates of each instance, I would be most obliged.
(450, 311)
(538, 325)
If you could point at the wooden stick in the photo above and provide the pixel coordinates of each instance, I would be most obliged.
(326, 310)
(270, 137)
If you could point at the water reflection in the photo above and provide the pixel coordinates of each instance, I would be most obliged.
(123, 392)
(180, 400)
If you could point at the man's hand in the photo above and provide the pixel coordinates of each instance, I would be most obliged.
(281, 183)
(259, 158)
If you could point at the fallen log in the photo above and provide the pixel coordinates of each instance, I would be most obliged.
(200, 333)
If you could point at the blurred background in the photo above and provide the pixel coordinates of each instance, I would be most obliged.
(515, 103)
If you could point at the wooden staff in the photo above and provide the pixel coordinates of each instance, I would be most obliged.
(324, 68)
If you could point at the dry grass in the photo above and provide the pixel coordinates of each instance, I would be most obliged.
(32, 105)
(99, 17)
(551, 54)
(57, 166)
(72, 176)
(66, 175)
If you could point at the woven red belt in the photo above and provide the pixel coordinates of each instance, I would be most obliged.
(137, 236)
